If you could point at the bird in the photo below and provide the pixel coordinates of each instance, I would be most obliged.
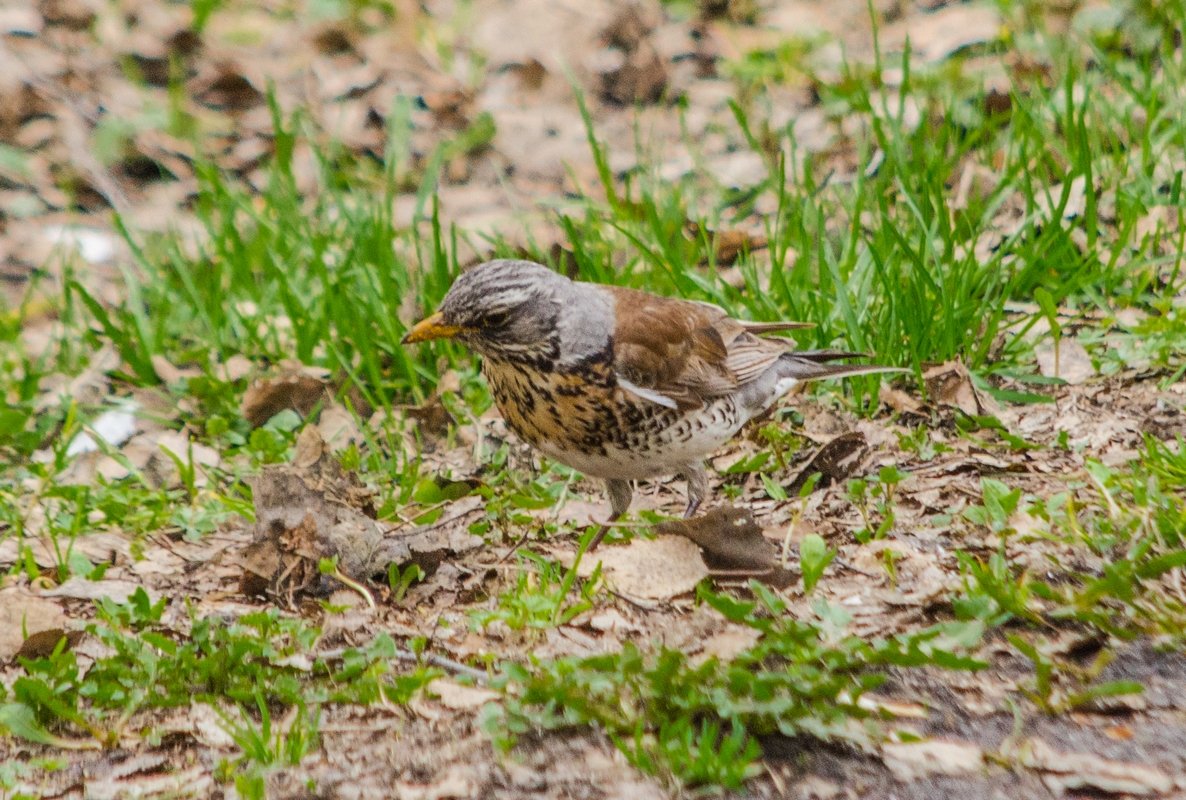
(617, 383)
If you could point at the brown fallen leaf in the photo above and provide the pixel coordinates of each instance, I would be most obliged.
(458, 697)
(457, 782)
(310, 447)
(630, 26)
(744, 12)
(235, 368)
(1066, 359)
(73, 14)
(301, 518)
(1069, 770)
(170, 373)
(23, 614)
(910, 761)
(652, 569)
(942, 33)
(334, 38)
(835, 461)
(728, 644)
(901, 402)
(731, 542)
(82, 589)
(298, 388)
(950, 384)
(727, 244)
(628, 68)
(229, 89)
(626, 78)
(43, 643)
(431, 416)
(304, 515)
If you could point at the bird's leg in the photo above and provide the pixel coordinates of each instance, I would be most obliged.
(620, 492)
(697, 486)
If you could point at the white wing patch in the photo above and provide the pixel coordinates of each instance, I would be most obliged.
(646, 394)
(782, 387)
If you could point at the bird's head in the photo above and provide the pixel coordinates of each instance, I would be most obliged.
(503, 309)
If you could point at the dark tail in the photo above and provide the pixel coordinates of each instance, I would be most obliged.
(774, 327)
(821, 356)
(811, 365)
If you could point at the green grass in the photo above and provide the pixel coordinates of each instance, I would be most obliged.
(255, 663)
(669, 714)
(886, 263)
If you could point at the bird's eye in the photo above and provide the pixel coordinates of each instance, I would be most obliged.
(495, 320)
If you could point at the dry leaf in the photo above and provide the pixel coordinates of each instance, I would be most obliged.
(299, 389)
(169, 373)
(1068, 770)
(83, 589)
(654, 569)
(1066, 359)
(304, 515)
(901, 402)
(43, 643)
(432, 418)
(731, 542)
(940, 34)
(458, 697)
(910, 761)
(21, 614)
(235, 368)
(229, 89)
(310, 447)
(628, 78)
(455, 784)
(729, 643)
(834, 461)
(338, 427)
(949, 384)
(726, 244)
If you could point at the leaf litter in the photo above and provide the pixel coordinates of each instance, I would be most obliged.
(307, 512)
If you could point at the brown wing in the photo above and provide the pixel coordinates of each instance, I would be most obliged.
(686, 353)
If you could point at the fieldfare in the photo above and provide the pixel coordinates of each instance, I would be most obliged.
(617, 383)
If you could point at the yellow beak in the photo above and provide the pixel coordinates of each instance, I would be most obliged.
(431, 327)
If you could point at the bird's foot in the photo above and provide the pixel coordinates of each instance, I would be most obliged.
(601, 532)
(597, 538)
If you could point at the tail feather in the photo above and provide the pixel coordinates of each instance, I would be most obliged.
(810, 366)
(820, 356)
(797, 367)
(774, 327)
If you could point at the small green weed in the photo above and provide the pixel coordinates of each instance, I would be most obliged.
(261, 659)
(699, 723)
(539, 597)
(875, 501)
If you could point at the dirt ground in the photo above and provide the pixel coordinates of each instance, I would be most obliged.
(69, 67)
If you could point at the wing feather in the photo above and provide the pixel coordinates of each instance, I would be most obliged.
(688, 352)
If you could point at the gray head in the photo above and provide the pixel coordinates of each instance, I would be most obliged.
(504, 309)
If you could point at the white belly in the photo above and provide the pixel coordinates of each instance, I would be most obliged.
(687, 440)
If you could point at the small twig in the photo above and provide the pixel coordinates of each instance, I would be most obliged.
(408, 657)
(514, 547)
(633, 602)
(840, 562)
(743, 573)
(444, 663)
(439, 523)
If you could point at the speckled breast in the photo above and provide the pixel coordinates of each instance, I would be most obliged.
(585, 421)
